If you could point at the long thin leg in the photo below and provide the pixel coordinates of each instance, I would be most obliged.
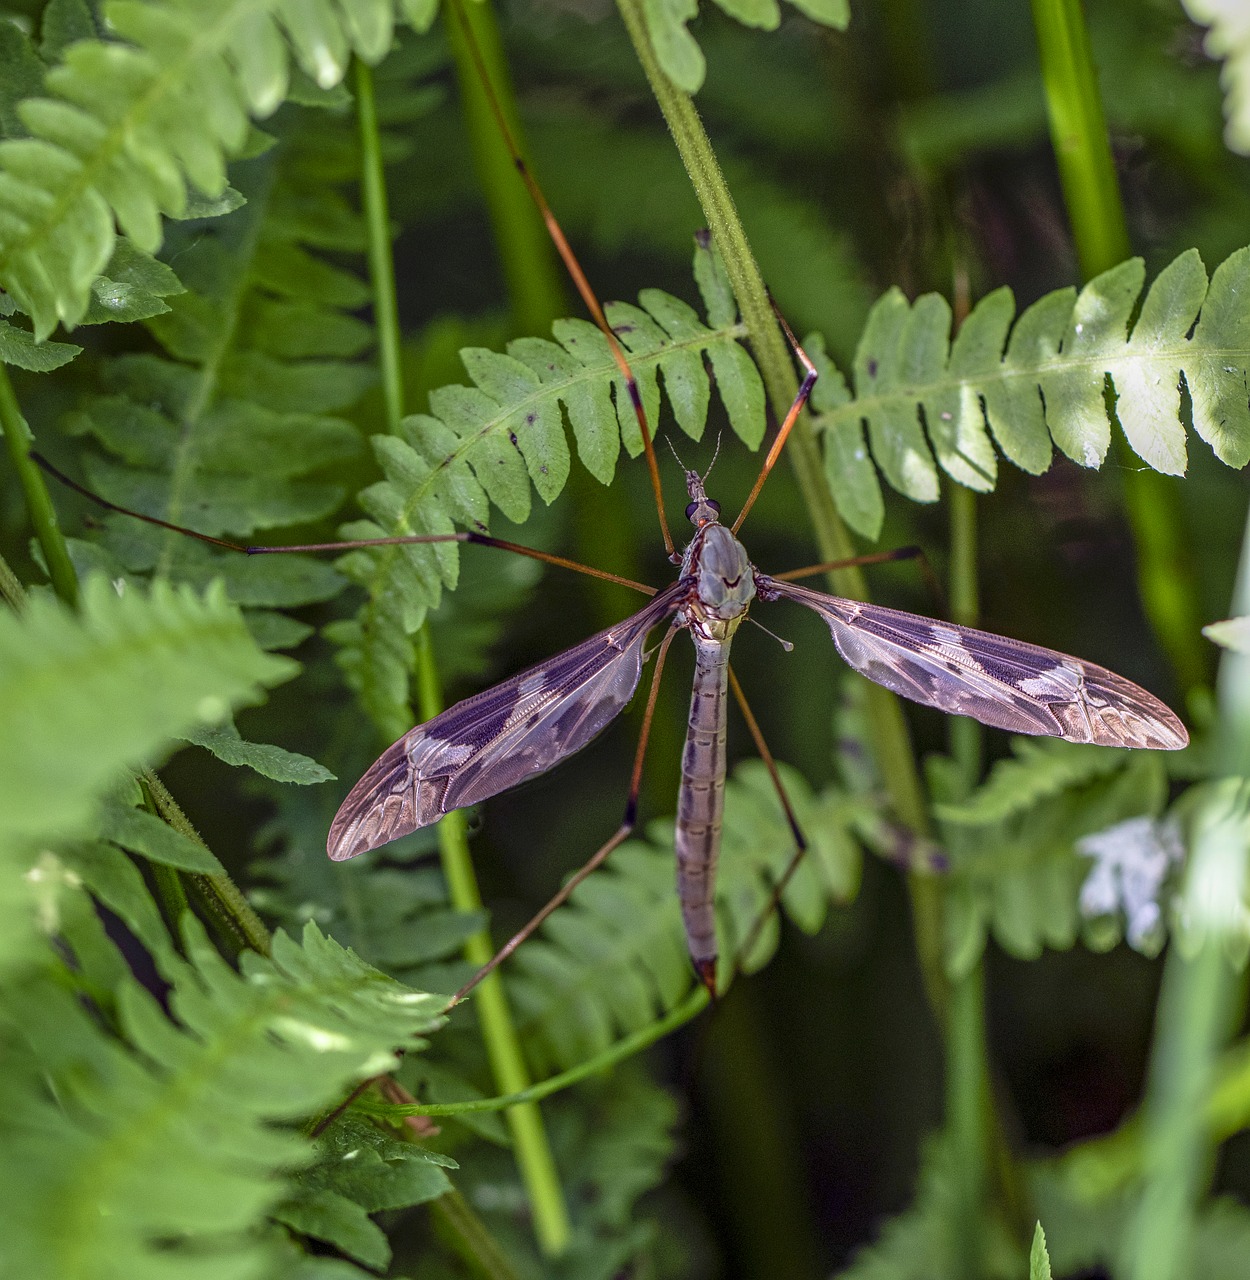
(574, 268)
(628, 822)
(400, 540)
(792, 416)
(800, 840)
(876, 557)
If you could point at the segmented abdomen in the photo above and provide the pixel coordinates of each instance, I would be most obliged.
(701, 801)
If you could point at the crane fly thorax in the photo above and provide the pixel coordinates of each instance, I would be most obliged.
(722, 583)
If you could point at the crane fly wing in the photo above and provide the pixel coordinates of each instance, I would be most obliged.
(1005, 683)
(498, 738)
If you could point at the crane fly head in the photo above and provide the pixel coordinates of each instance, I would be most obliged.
(701, 509)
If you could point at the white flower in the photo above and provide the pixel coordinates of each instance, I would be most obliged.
(1131, 862)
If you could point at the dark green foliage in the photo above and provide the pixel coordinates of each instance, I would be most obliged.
(219, 368)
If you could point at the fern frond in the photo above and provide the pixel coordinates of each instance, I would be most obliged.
(361, 1170)
(1183, 356)
(231, 431)
(130, 128)
(84, 696)
(158, 1150)
(393, 912)
(1037, 769)
(488, 444)
(113, 880)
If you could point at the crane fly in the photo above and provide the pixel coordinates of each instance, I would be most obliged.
(527, 724)
(530, 722)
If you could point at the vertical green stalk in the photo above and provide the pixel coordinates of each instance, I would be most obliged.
(381, 262)
(529, 1137)
(891, 742)
(1078, 128)
(968, 1120)
(18, 441)
(533, 1151)
(1078, 133)
(1202, 990)
(534, 280)
(969, 1103)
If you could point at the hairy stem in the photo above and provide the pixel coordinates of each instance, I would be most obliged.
(18, 441)
(891, 741)
(1166, 576)
(533, 1150)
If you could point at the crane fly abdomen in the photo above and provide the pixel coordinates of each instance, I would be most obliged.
(724, 586)
(701, 804)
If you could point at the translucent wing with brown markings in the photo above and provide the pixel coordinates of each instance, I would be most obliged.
(1005, 683)
(498, 738)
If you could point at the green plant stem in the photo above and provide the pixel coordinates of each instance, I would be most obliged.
(1165, 573)
(172, 894)
(529, 1137)
(1196, 1014)
(18, 441)
(968, 1112)
(381, 263)
(969, 1102)
(625, 1047)
(1201, 995)
(891, 741)
(1078, 132)
(533, 277)
(533, 1150)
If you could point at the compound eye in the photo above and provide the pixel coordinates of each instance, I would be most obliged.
(705, 505)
